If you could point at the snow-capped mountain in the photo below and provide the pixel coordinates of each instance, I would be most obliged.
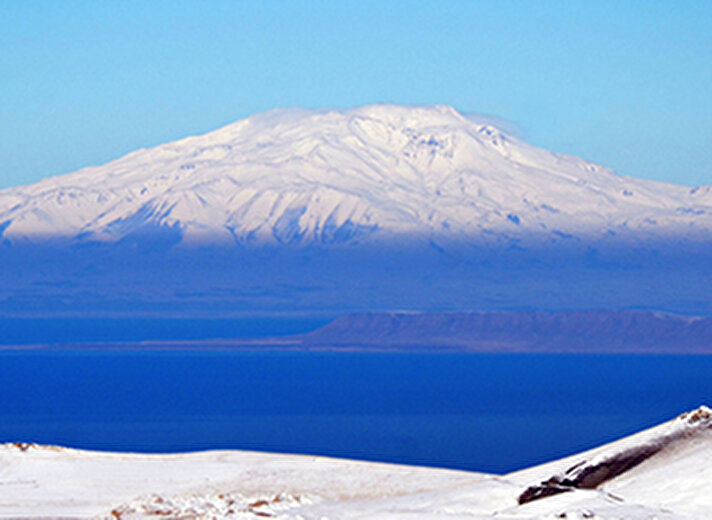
(362, 175)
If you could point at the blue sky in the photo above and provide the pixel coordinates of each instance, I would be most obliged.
(625, 84)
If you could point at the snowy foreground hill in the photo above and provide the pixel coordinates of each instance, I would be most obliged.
(662, 473)
(359, 176)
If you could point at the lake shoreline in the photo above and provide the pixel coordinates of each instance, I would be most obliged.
(491, 332)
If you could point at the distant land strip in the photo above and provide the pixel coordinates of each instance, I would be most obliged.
(595, 331)
(592, 332)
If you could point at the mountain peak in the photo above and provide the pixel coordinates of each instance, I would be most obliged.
(409, 115)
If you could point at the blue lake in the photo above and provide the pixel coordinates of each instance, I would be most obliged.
(491, 413)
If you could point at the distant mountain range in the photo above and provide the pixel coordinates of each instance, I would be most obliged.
(363, 176)
(596, 331)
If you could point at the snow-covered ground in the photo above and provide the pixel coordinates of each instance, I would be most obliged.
(662, 473)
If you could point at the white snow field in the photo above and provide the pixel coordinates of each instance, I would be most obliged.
(662, 473)
(357, 176)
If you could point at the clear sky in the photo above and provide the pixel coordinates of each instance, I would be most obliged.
(625, 84)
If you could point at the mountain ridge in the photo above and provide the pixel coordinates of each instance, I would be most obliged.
(581, 331)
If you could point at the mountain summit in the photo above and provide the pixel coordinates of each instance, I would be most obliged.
(356, 176)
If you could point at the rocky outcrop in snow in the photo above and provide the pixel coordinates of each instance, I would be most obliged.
(606, 466)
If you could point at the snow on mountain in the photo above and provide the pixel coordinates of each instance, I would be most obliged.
(660, 473)
(367, 174)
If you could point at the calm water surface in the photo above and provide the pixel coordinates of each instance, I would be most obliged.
(479, 412)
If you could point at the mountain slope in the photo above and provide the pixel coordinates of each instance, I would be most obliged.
(662, 473)
(363, 175)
